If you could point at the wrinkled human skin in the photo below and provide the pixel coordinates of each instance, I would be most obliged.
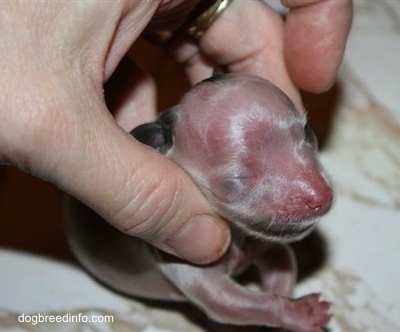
(255, 159)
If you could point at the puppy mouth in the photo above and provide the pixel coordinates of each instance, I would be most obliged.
(288, 231)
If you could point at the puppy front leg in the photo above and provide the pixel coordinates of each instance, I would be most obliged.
(226, 301)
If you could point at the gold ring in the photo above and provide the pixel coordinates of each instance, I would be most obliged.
(199, 20)
(202, 22)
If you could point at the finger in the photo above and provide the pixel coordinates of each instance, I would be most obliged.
(75, 143)
(315, 38)
(197, 66)
(247, 38)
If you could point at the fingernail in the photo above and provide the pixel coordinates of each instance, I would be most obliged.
(202, 240)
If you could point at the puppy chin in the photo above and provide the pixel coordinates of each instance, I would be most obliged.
(294, 237)
(282, 232)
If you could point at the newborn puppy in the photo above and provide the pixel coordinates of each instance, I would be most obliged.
(255, 159)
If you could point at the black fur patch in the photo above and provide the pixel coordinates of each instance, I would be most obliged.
(158, 134)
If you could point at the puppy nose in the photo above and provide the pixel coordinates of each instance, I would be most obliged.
(319, 199)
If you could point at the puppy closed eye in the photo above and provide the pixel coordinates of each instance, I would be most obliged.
(231, 189)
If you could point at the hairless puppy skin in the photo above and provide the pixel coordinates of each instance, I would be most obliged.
(255, 159)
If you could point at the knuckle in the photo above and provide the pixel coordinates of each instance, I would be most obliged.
(154, 211)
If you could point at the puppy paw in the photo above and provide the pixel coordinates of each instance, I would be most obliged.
(306, 314)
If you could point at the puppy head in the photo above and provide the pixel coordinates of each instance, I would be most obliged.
(253, 155)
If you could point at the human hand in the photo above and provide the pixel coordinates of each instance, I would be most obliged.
(55, 124)
(303, 51)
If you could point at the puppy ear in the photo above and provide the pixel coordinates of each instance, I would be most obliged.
(157, 134)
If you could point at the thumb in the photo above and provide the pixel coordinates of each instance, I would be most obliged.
(151, 197)
(137, 190)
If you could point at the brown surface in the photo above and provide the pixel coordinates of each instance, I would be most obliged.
(31, 217)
